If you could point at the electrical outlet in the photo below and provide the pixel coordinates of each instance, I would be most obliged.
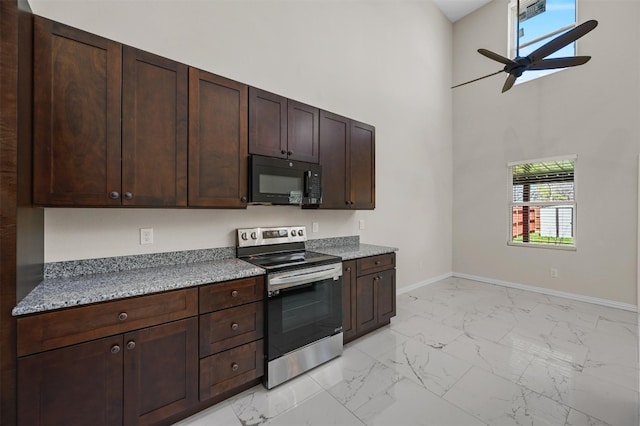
(554, 272)
(361, 224)
(146, 235)
(314, 227)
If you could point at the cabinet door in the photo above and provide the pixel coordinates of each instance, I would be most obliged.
(366, 303)
(154, 130)
(302, 139)
(218, 164)
(363, 163)
(267, 123)
(160, 371)
(77, 96)
(76, 385)
(335, 136)
(348, 300)
(386, 296)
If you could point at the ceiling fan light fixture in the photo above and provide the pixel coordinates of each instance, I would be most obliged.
(536, 59)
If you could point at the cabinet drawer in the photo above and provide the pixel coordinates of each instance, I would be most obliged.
(231, 327)
(227, 370)
(368, 265)
(232, 293)
(52, 330)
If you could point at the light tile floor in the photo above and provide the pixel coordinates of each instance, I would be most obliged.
(460, 352)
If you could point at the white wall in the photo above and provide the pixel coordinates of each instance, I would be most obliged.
(384, 62)
(592, 111)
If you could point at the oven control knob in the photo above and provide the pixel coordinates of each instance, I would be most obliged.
(300, 233)
(254, 236)
(244, 236)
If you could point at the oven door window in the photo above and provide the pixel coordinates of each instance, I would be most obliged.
(302, 315)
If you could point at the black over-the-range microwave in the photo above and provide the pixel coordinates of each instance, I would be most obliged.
(285, 182)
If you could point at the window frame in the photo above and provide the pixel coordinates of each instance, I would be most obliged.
(511, 204)
(511, 41)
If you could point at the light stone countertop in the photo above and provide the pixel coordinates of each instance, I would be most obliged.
(356, 251)
(64, 291)
(57, 293)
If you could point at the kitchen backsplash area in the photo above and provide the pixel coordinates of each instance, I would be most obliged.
(76, 234)
(73, 268)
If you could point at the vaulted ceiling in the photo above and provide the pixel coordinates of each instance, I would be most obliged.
(456, 9)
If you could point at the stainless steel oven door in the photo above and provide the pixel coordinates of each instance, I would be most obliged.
(303, 306)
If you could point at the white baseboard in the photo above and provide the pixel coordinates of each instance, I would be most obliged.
(558, 293)
(423, 283)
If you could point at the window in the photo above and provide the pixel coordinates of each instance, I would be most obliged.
(543, 203)
(540, 22)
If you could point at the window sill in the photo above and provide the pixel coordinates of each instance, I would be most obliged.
(542, 246)
(534, 75)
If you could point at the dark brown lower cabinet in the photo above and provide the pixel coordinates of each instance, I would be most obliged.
(230, 369)
(348, 300)
(375, 300)
(77, 385)
(231, 336)
(370, 286)
(160, 371)
(139, 377)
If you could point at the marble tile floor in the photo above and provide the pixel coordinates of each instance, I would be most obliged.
(460, 353)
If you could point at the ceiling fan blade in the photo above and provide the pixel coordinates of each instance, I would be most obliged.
(553, 63)
(509, 83)
(562, 40)
(491, 55)
(476, 79)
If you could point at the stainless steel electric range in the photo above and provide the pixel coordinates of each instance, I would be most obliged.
(303, 300)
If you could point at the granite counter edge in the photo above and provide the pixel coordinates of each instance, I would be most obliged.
(33, 303)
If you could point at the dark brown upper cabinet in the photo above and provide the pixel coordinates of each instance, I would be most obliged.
(154, 130)
(110, 122)
(77, 98)
(282, 128)
(362, 166)
(302, 132)
(218, 165)
(347, 157)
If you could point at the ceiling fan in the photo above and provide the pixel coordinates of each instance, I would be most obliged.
(536, 59)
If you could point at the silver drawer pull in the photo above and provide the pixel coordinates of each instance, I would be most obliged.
(123, 316)
(131, 344)
(234, 326)
(234, 293)
(234, 366)
(115, 349)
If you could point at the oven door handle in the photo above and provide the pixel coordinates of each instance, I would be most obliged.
(290, 279)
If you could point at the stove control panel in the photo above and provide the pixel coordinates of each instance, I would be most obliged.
(248, 237)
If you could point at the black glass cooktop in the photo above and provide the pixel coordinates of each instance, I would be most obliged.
(279, 261)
